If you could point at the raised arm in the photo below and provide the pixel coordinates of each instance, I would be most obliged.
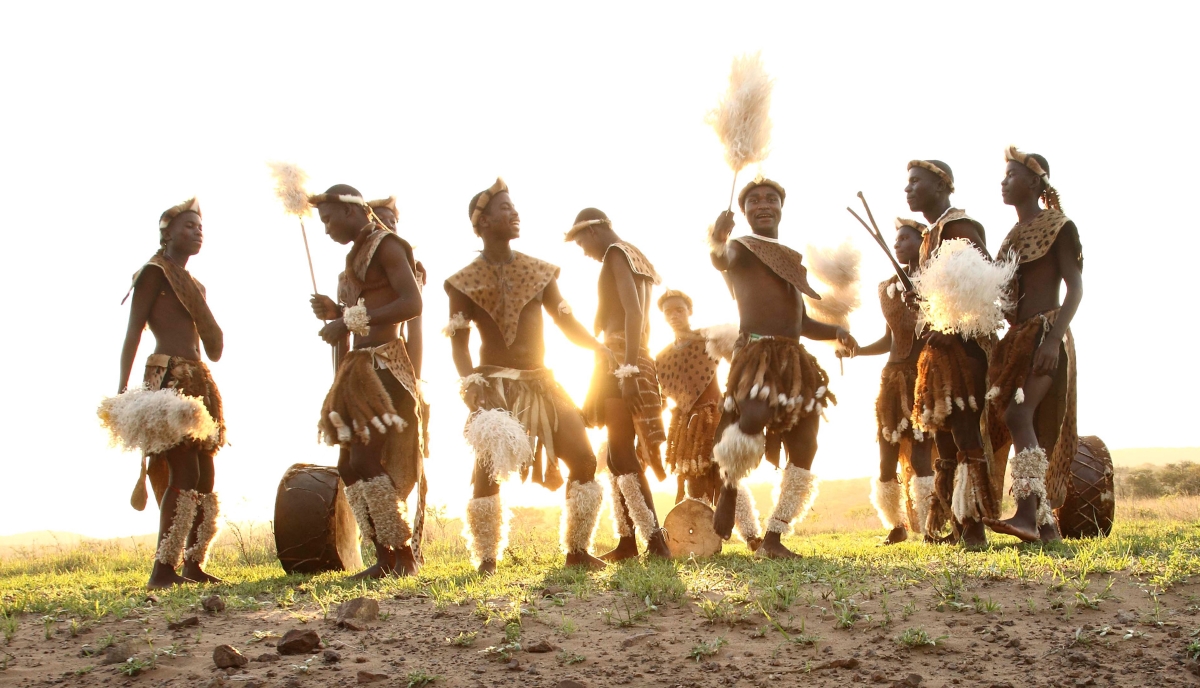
(575, 332)
(1066, 253)
(149, 283)
(627, 292)
(720, 250)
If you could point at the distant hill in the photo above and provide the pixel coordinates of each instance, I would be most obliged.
(1154, 456)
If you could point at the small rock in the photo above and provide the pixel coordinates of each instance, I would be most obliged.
(267, 657)
(331, 656)
(185, 623)
(541, 646)
(514, 665)
(298, 642)
(213, 604)
(118, 653)
(216, 682)
(1015, 642)
(360, 659)
(370, 677)
(634, 638)
(913, 680)
(226, 656)
(354, 614)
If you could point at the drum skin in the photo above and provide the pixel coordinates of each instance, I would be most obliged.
(1090, 506)
(690, 531)
(314, 527)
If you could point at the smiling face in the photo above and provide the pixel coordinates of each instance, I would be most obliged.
(184, 235)
(908, 245)
(500, 219)
(342, 220)
(764, 209)
(924, 189)
(676, 311)
(1020, 184)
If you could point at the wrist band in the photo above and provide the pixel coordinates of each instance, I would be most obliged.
(356, 319)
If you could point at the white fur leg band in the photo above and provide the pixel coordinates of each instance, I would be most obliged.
(886, 498)
(485, 521)
(797, 492)
(738, 453)
(622, 523)
(922, 498)
(580, 514)
(384, 504)
(745, 516)
(355, 496)
(964, 503)
(356, 319)
(639, 512)
(170, 547)
(206, 532)
(1029, 469)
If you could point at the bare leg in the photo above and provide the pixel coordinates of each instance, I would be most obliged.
(624, 465)
(801, 444)
(1020, 421)
(177, 506)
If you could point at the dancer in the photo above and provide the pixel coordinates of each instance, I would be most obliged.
(687, 371)
(517, 408)
(172, 303)
(775, 386)
(900, 442)
(625, 400)
(371, 410)
(1032, 372)
(963, 484)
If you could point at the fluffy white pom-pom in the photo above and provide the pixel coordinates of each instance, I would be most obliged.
(499, 441)
(154, 421)
(962, 292)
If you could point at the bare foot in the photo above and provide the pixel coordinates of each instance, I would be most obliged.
(192, 571)
(898, 534)
(772, 548)
(626, 549)
(754, 543)
(163, 576)
(1049, 533)
(1027, 531)
(656, 544)
(585, 560)
(384, 564)
(405, 562)
(487, 567)
(974, 536)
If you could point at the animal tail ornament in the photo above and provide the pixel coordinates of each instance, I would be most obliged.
(499, 441)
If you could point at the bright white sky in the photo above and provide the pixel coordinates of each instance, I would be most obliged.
(114, 113)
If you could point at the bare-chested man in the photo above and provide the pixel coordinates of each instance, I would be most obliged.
(371, 410)
(168, 299)
(625, 399)
(893, 408)
(517, 408)
(775, 386)
(960, 444)
(687, 371)
(1032, 372)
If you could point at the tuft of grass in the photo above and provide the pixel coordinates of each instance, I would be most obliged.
(463, 639)
(918, 637)
(704, 650)
(566, 627)
(8, 624)
(420, 679)
(569, 658)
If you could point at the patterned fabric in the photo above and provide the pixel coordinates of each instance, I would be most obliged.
(787, 263)
(638, 261)
(1055, 420)
(503, 290)
(900, 317)
(685, 370)
(190, 293)
(781, 372)
(933, 235)
(353, 281)
(1032, 240)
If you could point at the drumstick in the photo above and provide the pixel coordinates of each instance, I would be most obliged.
(883, 245)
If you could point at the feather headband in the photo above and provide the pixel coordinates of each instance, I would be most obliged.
(902, 222)
(486, 197)
(388, 203)
(941, 174)
(1050, 195)
(190, 205)
(318, 199)
(580, 226)
(758, 181)
(675, 293)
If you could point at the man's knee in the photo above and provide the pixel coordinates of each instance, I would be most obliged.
(1018, 415)
(581, 469)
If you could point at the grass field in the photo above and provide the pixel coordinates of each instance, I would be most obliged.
(846, 593)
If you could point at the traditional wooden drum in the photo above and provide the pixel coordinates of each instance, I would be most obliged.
(314, 527)
(1090, 506)
(690, 531)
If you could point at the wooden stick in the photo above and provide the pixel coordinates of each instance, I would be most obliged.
(732, 190)
(883, 245)
(311, 274)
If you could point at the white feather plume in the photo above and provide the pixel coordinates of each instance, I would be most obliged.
(742, 119)
(500, 442)
(962, 292)
(720, 340)
(289, 187)
(837, 267)
(154, 421)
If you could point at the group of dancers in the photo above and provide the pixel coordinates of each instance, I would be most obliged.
(960, 399)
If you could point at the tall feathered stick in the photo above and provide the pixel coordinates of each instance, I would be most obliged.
(742, 119)
(837, 267)
(289, 188)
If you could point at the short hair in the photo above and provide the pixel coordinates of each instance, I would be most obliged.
(674, 293)
(342, 190)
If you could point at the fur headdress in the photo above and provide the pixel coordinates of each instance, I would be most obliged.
(190, 205)
(902, 222)
(480, 202)
(317, 199)
(945, 175)
(289, 187)
(758, 181)
(1049, 193)
(675, 293)
(581, 224)
(388, 203)
(742, 119)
